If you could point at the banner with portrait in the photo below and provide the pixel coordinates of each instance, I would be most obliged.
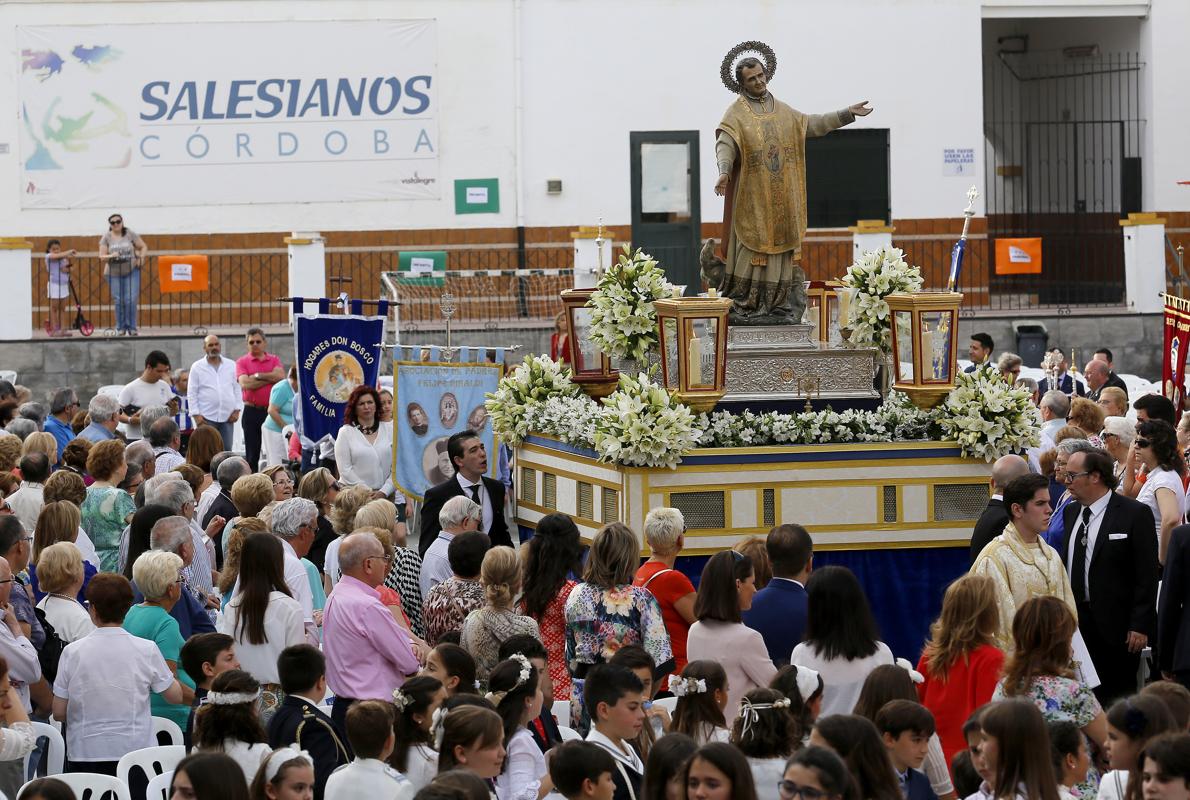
(335, 354)
(433, 400)
(1174, 351)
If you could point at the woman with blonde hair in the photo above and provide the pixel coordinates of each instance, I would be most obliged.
(57, 522)
(41, 442)
(70, 486)
(1087, 416)
(405, 569)
(108, 508)
(321, 486)
(960, 663)
(158, 575)
(62, 576)
(1039, 671)
(1114, 401)
(754, 548)
(347, 504)
(606, 612)
(485, 629)
(282, 481)
(234, 543)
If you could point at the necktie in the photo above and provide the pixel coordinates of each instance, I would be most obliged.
(475, 493)
(1078, 570)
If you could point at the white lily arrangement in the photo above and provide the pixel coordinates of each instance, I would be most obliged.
(988, 416)
(623, 319)
(535, 381)
(641, 425)
(875, 275)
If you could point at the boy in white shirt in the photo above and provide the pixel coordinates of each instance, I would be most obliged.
(370, 731)
(614, 699)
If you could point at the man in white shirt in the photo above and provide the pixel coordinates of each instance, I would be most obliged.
(213, 392)
(459, 515)
(165, 438)
(27, 501)
(152, 388)
(1055, 406)
(295, 522)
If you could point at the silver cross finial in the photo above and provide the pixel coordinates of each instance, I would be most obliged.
(972, 196)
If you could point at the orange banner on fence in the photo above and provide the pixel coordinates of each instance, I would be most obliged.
(1018, 256)
(184, 273)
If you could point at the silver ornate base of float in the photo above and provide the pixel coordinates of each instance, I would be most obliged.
(782, 362)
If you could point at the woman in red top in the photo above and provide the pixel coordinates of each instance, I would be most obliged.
(551, 557)
(558, 338)
(664, 531)
(959, 662)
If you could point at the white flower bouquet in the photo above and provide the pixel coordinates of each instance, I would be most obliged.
(988, 416)
(641, 425)
(874, 276)
(523, 391)
(623, 319)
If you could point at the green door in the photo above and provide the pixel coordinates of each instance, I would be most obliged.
(666, 220)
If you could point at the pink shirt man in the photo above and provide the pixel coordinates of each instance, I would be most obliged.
(367, 653)
(253, 365)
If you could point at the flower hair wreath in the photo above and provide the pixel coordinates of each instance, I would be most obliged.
(231, 698)
(521, 679)
(684, 687)
(401, 700)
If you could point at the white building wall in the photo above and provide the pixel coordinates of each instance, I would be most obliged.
(594, 71)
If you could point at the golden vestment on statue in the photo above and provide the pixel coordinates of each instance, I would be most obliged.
(764, 211)
(1021, 571)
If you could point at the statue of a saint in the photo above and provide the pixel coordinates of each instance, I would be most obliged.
(760, 149)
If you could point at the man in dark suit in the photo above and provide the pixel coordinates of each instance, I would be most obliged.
(778, 610)
(299, 721)
(993, 519)
(1110, 550)
(1173, 632)
(470, 461)
(980, 350)
(1104, 355)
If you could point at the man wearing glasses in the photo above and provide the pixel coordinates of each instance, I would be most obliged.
(1110, 552)
(367, 653)
(63, 405)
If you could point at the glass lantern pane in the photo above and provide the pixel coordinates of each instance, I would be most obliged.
(700, 350)
(589, 357)
(813, 314)
(903, 355)
(669, 352)
(935, 339)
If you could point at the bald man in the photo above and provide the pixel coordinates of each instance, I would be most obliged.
(993, 519)
(213, 393)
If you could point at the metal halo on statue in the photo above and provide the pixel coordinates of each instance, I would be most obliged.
(727, 70)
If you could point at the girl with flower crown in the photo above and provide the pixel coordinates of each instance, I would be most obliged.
(228, 721)
(766, 732)
(702, 696)
(285, 774)
(515, 690)
(416, 702)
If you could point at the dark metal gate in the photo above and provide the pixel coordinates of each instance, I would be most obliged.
(1062, 152)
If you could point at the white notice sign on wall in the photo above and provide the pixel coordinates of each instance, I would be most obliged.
(477, 195)
(958, 161)
(182, 272)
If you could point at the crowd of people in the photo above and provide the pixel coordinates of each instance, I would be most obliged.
(279, 617)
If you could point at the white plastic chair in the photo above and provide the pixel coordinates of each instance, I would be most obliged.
(561, 711)
(158, 788)
(91, 786)
(55, 755)
(568, 734)
(112, 390)
(153, 760)
(162, 725)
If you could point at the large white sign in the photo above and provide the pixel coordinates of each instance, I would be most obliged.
(232, 112)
